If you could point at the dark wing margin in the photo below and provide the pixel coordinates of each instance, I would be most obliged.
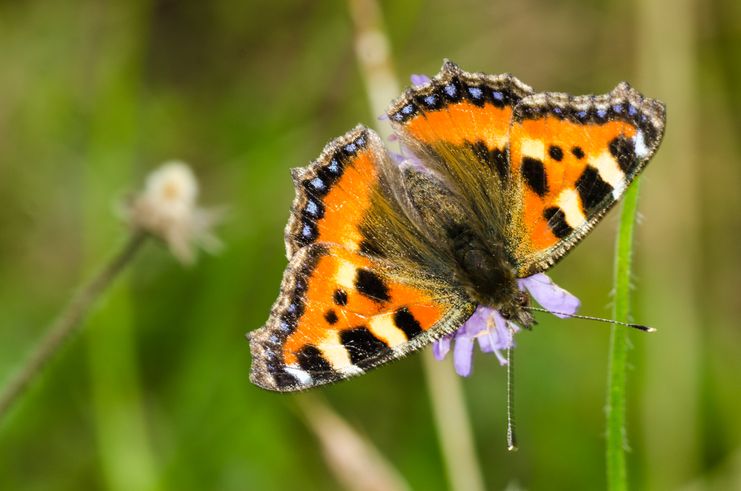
(346, 171)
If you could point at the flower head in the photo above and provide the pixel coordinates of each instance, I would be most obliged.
(493, 332)
(167, 208)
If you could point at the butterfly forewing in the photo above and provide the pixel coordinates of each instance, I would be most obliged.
(458, 125)
(362, 286)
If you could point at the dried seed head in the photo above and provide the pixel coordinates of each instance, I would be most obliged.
(167, 208)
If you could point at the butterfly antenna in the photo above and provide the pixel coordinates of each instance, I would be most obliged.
(640, 327)
(511, 436)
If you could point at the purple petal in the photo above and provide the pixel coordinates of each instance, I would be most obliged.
(551, 296)
(477, 322)
(498, 336)
(420, 79)
(487, 341)
(505, 332)
(441, 347)
(463, 355)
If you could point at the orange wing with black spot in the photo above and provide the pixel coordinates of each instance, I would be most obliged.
(571, 158)
(341, 313)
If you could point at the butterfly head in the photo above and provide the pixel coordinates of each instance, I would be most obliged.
(516, 310)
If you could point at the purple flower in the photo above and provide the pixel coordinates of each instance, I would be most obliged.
(551, 296)
(418, 80)
(493, 332)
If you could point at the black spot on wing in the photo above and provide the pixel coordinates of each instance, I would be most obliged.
(281, 377)
(624, 152)
(340, 297)
(404, 320)
(361, 345)
(371, 285)
(310, 359)
(555, 152)
(501, 162)
(534, 174)
(557, 221)
(493, 159)
(330, 316)
(592, 190)
(578, 152)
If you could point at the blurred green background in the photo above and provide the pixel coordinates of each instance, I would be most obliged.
(153, 394)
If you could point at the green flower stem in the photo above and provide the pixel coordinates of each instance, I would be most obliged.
(617, 473)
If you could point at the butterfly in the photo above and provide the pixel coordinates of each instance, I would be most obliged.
(499, 183)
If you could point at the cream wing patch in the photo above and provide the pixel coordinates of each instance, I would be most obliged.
(570, 204)
(383, 328)
(610, 172)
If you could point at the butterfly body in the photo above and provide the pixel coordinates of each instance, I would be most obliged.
(497, 183)
(455, 231)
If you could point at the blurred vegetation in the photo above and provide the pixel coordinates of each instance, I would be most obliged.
(154, 393)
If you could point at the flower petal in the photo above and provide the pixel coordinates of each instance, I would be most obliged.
(504, 330)
(487, 342)
(420, 79)
(477, 322)
(551, 296)
(441, 347)
(463, 355)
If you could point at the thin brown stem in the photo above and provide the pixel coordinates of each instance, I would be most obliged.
(68, 320)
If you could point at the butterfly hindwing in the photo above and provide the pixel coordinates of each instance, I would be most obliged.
(571, 158)
(341, 313)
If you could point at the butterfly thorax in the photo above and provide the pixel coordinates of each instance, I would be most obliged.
(487, 275)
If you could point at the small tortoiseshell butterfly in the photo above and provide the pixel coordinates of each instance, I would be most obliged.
(386, 257)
